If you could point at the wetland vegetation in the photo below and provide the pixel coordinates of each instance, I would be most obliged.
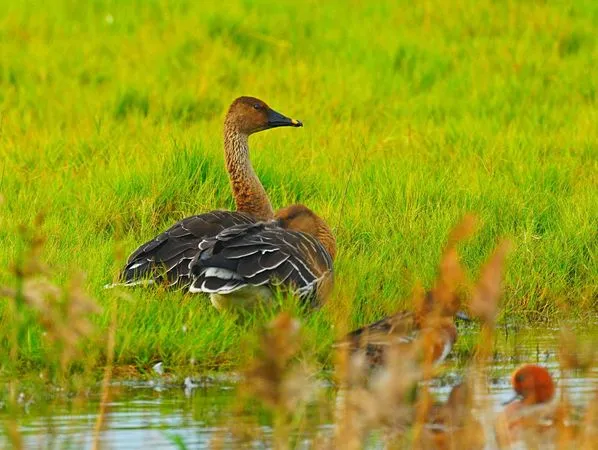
(415, 115)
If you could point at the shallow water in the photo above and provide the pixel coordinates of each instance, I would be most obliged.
(139, 412)
(162, 414)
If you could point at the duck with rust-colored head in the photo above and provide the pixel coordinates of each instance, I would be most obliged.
(165, 259)
(530, 414)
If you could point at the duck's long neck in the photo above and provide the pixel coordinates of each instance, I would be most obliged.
(250, 196)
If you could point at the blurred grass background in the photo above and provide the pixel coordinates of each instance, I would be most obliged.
(415, 113)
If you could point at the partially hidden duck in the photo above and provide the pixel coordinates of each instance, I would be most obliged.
(249, 262)
(530, 414)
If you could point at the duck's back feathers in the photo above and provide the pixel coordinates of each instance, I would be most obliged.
(165, 259)
(436, 334)
(400, 325)
(375, 338)
(262, 254)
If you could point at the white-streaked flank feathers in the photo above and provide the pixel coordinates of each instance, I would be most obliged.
(261, 255)
(165, 259)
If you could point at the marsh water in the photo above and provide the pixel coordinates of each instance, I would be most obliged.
(169, 414)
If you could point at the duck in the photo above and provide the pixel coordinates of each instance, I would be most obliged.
(531, 411)
(430, 325)
(165, 259)
(245, 264)
(533, 385)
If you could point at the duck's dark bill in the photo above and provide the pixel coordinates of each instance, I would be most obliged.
(275, 119)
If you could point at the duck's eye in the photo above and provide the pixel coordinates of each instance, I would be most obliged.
(257, 106)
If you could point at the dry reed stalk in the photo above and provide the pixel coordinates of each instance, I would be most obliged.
(451, 276)
(484, 304)
(350, 375)
(105, 397)
(385, 399)
(485, 299)
(589, 426)
(573, 356)
(14, 435)
(11, 425)
(277, 378)
(573, 353)
(345, 431)
(451, 273)
(62, 312)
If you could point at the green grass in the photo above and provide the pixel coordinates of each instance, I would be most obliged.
(415, 114)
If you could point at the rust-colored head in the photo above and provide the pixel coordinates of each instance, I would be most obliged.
(248, 115)
(300, 218)
(533, 384)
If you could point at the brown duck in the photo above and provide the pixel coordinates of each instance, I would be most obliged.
(430, 324)
(165, 259)
(247, 262)
(429, 329)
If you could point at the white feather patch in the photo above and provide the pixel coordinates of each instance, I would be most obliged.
(134, 266)
(130, 284)
(223, 274)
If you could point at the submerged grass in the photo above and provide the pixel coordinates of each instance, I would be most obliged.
(111, 118)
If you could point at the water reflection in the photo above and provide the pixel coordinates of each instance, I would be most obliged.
(159, 414)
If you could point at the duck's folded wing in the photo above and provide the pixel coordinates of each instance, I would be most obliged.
(373, 340)
(261, 254)
(396, 328)
(165, 259)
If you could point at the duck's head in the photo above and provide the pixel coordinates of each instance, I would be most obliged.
(301, 218)
(532, 384)
(248, 115)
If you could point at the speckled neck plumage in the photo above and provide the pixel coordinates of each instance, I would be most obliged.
(250, 196)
